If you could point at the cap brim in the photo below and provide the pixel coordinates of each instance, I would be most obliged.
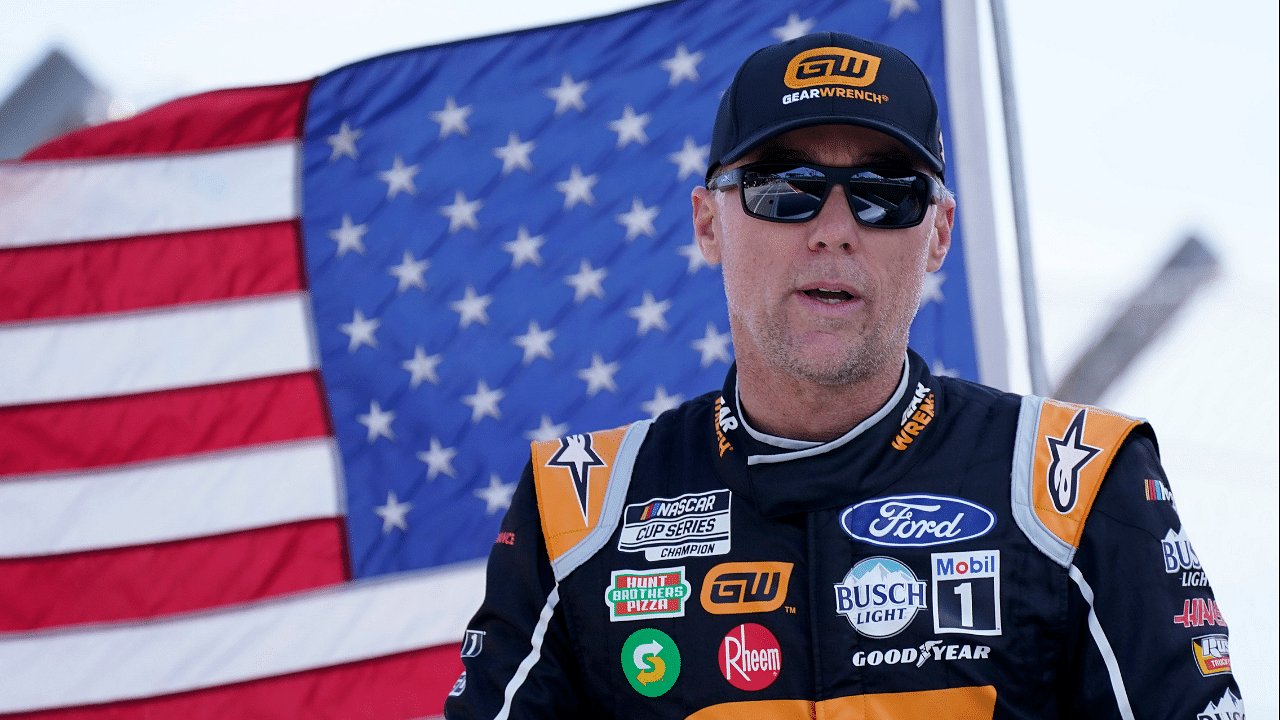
(893, 131)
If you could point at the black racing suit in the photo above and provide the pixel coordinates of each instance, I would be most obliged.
(934, 562)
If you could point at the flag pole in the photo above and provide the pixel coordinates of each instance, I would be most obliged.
(1013, 142)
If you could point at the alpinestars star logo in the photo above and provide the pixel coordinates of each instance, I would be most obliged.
(575, 453)
(1070, 455)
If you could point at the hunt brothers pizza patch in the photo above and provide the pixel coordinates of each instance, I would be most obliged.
(644, 594)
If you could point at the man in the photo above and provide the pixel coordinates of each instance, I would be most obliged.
(837, 533)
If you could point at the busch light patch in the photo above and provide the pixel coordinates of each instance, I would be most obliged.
(966, 592)
(1229, 707)
(691, 525)
(880, 596)
(916, 520)
(640, 594)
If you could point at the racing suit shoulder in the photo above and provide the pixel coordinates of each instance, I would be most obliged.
(1062, 452)
(581, 482)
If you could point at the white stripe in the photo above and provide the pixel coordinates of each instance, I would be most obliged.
(42, 203)
(158, 502)
(522, 672)
(180, 346)
(1104, 647)
(356, 621)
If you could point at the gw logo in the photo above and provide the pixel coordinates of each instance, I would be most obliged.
(745, 587)
(831, 66)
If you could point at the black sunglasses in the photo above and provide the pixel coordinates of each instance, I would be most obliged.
(794, 192)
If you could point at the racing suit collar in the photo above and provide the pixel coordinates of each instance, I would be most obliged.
(782, 476)
(796, 449)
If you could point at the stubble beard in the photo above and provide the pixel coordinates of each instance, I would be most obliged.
(877, 348)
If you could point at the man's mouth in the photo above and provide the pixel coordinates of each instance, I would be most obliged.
(830, 297)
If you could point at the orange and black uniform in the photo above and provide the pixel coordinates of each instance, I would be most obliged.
(962, 553)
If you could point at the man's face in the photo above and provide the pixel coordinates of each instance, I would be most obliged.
(828, 300)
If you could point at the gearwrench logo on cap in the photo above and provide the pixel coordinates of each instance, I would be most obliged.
(831, 66)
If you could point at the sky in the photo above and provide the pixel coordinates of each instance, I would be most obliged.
(1142, 121)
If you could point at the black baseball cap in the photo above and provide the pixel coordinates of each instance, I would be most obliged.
(827, 78)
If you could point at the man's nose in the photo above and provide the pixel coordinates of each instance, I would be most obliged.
(835, 227)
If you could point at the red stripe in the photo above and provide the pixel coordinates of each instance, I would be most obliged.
(151, 580)
(115, 430)
(396, 687)
(149, 271)
(221, 118)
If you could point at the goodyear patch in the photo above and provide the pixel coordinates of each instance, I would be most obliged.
(691, 525)
(642, 594)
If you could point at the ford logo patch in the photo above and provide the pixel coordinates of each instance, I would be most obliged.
(916, 520)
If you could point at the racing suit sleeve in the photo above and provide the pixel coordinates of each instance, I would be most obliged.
(524, 665)
(1146, 638)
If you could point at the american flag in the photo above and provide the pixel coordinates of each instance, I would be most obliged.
(271, 358)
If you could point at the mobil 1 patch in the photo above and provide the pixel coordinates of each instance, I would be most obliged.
(966, 592)
(644, 594)
(692, 525)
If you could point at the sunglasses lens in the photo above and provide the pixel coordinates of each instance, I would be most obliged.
(783, 193)
(888, 202)
(791, 193)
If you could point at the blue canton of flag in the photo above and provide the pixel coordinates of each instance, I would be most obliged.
(499, 250)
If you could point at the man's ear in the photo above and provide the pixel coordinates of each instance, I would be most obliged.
(706, 224)
(943, 220)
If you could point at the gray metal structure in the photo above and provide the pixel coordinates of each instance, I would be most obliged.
(54, 98)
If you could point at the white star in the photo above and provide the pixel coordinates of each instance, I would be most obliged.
(484, 402)
(515, 154)
(361, 331)
(497, 496)
(349, 236)
(599, 376)
(524, 249)
(661, 402)
(409, 272)
(536, 343)
(932, 290)
(639, 219)
(690, 159)
(343, 142)
(422, 367)
(587, 281)
(577, 188)
(630, 127)
(683, 66)
(547, 430)
(472, 308)
(377, 421)
(568, 94)
(896, 7)
(462, 213)
(399, 177)
(713, 346)
(393, 513)
(452, 119)
(942, 370)
(794, 28)
(693, 254)
(439, 459)
(650, 314)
